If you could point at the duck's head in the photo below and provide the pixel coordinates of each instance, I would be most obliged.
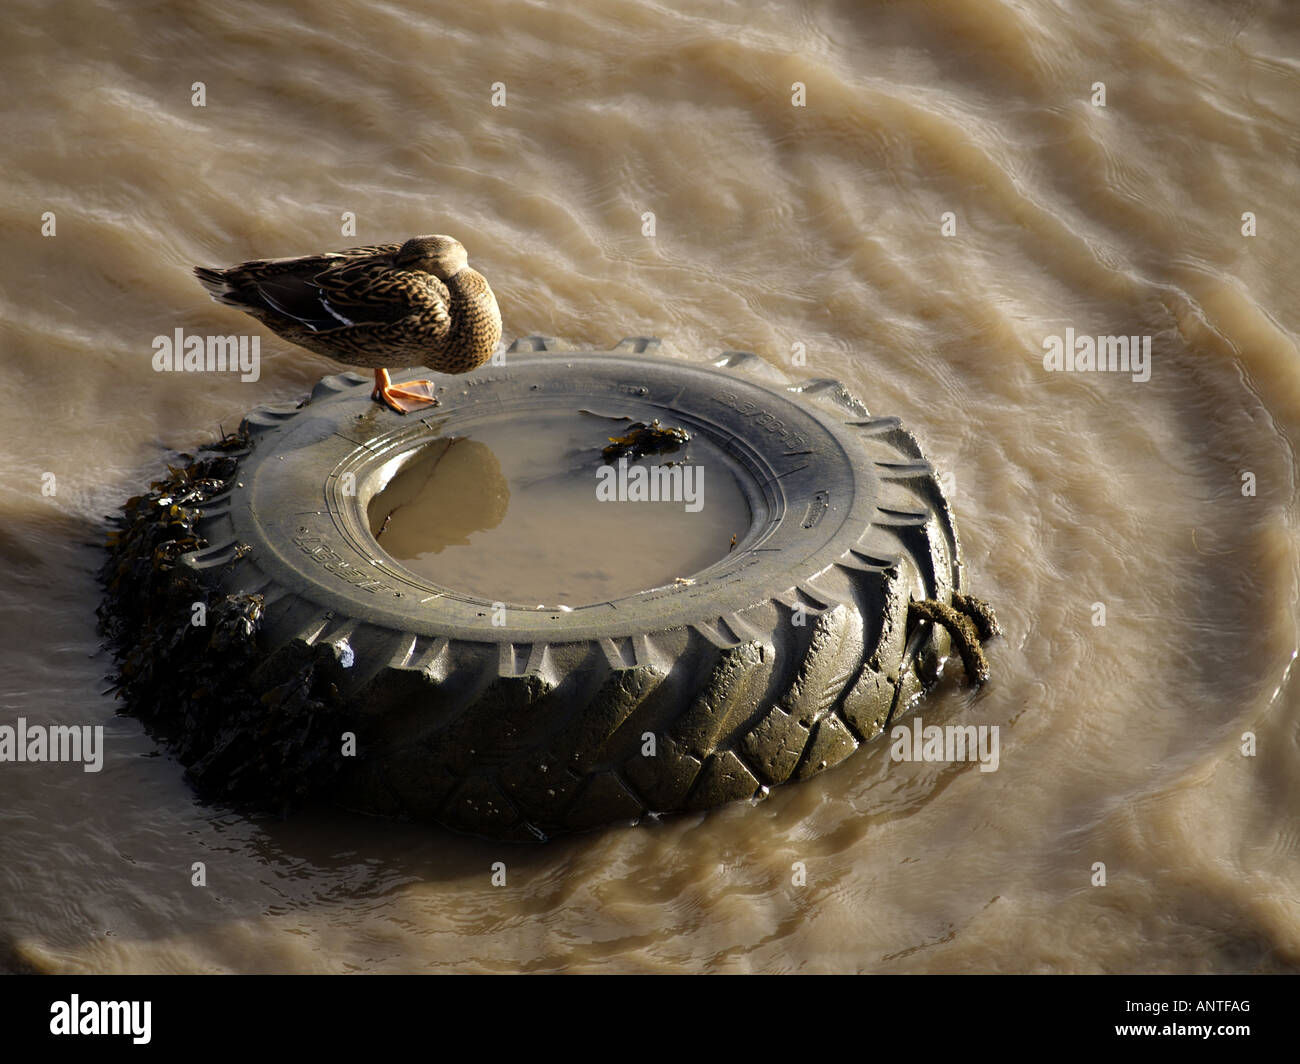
(442, 256)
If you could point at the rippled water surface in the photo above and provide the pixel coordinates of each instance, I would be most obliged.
(949, 196)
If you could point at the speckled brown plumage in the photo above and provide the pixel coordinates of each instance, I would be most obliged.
(390, 304)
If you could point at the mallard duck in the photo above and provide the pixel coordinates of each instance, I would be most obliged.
(390, 304)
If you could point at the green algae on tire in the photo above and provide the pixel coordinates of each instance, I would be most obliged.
(771, 665)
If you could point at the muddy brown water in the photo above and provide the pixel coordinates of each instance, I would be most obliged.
(525, 510)
(951, 195)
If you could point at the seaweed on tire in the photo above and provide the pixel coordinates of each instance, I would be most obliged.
(247, 729)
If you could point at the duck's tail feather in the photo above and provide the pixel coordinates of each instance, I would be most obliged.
(221, 288)
(284, 300)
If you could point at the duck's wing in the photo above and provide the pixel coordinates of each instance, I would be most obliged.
(322, 293)
(371, 292)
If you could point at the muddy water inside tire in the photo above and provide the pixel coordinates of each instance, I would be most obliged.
(522, 509)
(774, 664)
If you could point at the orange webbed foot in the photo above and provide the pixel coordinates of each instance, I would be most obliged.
(405, 397)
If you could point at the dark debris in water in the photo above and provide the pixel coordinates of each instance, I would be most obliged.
(642, 439)
(607, 417)
(247, 727)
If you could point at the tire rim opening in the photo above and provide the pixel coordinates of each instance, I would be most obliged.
(521, 508)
